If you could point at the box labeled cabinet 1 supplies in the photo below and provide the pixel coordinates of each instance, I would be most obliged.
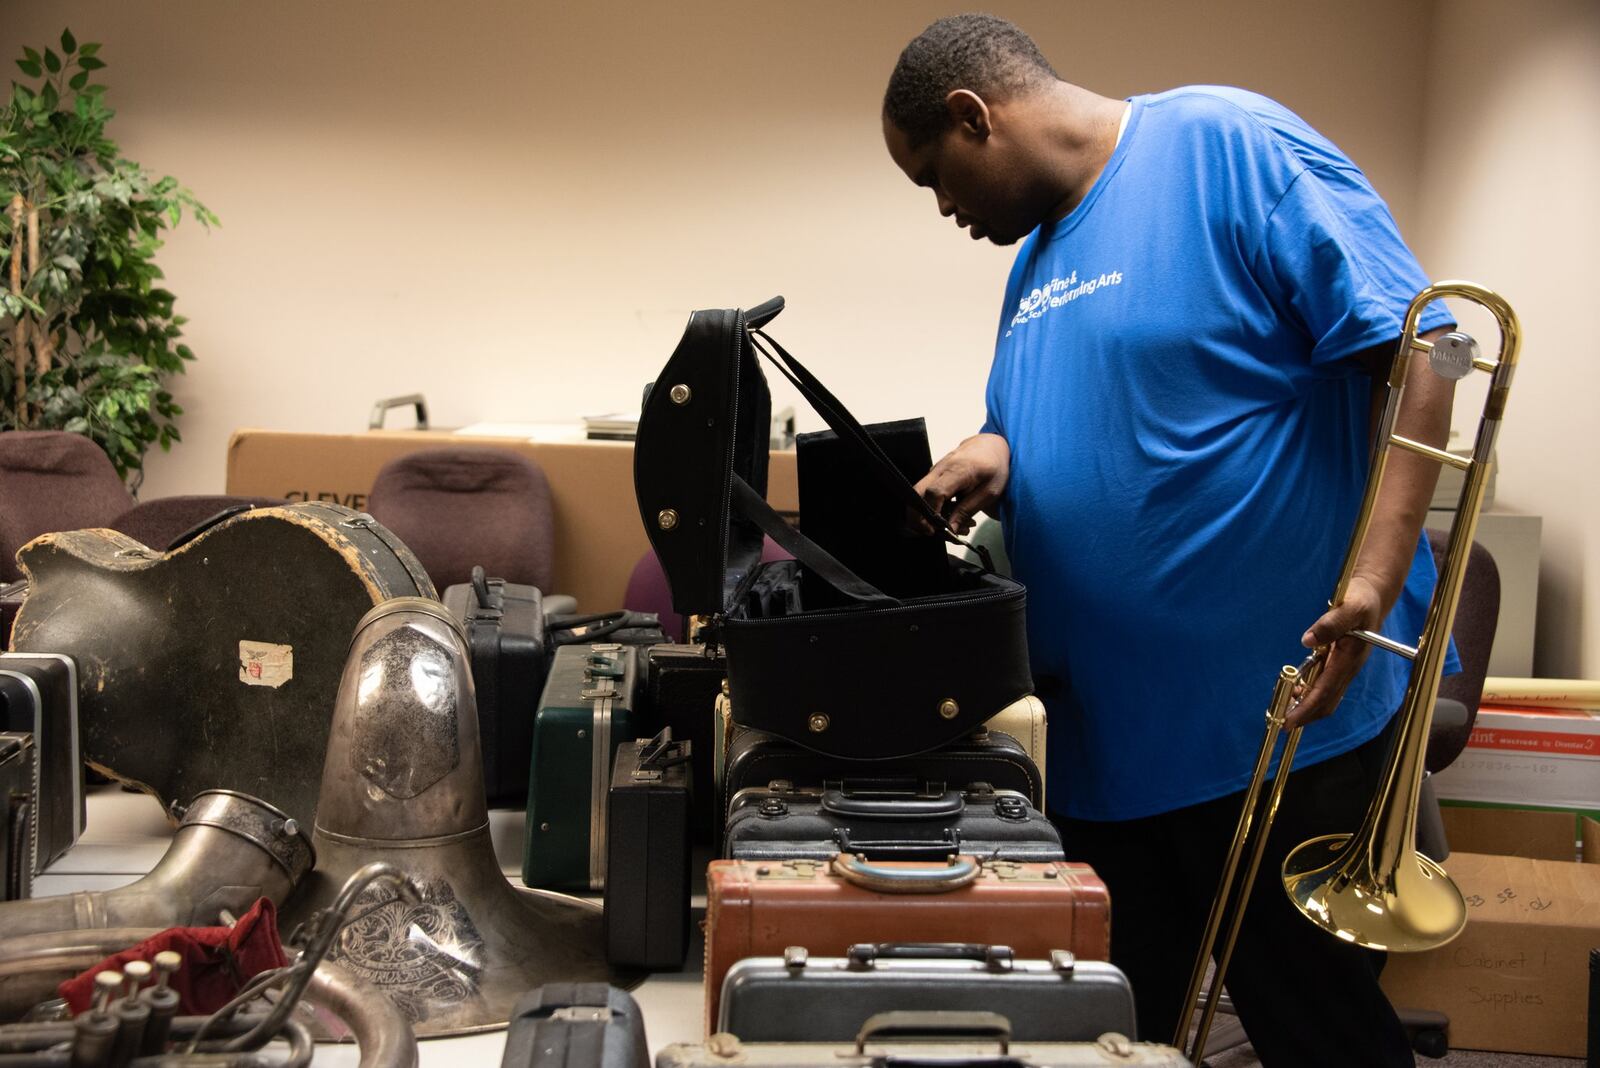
(1517, 979)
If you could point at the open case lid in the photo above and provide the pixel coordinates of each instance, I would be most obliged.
(707, 417)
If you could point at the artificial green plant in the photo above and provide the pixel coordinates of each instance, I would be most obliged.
(87, 334)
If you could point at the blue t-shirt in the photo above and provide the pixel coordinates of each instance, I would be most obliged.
(1189, 442)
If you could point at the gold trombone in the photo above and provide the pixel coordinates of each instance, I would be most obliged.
(1372, 887)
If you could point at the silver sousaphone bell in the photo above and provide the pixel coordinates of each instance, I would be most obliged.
(403, 782)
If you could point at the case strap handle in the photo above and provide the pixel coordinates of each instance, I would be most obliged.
(755, 508)
(998, 958)
(892, 804)
(841, 422)
(954, 875)
(904, 1025)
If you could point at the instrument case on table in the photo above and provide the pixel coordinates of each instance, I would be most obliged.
(213, 665)
(510, 649)
(39, 694)
(801, 998)
(682, 683)
(11, 597)
(647, 842)
(576, 1025)
(887, 820)
(923, 1040)
(919, 671)
(755, 759)
(19, 786)
(760, 908)
(584, 714)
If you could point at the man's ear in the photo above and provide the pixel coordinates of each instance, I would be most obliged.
(968, 112)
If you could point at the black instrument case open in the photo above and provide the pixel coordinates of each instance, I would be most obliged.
(920, 670)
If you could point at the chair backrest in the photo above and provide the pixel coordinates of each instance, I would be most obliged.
(648, 590)
(160, 522)
(51, 480)
(1473, 630)
(460, 507)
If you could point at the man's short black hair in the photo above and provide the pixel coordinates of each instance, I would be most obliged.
(985, 54)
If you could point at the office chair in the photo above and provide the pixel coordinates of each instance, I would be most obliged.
(460, 507)
(160, 523)
(51, 480)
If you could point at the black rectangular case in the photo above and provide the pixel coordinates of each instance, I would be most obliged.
(887, 821)
(647, 865)
(755, 759)
(39, 695)
(681, 687)
(700, 476)
(843, 509)
(576, 1025)
(801, 998)
(510, 658)
(18, 804)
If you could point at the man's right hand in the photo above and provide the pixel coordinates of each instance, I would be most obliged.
(968, 480)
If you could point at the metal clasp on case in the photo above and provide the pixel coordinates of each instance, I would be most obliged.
(582, 1014)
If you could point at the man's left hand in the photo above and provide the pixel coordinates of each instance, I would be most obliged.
(1362, 610)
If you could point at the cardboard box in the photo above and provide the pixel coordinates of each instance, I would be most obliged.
(1528, 757)
(598, 534)
(1517, 979)
(1538, 834)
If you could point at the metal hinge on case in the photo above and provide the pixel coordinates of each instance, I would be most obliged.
(361, 520)
(598, 693)
(1012, 871)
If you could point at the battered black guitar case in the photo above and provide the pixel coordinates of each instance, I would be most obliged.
(213, 665)
(958, 651)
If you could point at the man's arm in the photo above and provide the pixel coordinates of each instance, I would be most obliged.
(1385, 558)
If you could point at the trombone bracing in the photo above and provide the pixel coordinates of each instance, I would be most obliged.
(1373, 888)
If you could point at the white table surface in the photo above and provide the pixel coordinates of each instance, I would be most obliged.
(126, 834)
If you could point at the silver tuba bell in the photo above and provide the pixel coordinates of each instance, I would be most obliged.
(403, 783)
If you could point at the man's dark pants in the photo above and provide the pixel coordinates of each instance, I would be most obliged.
(1305, 998)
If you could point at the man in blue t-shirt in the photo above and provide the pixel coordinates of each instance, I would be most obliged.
(1202, 310)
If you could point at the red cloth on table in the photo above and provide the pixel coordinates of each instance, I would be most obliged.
(217, 961)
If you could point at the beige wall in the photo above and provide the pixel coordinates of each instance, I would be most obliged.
(513, 206)
(1508, 197)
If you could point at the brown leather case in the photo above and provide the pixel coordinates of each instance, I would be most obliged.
(759, 908)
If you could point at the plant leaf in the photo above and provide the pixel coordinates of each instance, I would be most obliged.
(89, 48)
(52, 62)
(30, 67)
(88, 62)
(79, 80)
(69, 44)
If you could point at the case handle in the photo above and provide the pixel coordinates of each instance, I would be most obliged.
(415, 401)
(855, 870)
(763, 313)
(944, 1025)
(892, 805)
(998, 958)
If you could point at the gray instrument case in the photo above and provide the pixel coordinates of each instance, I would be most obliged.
(800, 998)
(886, 820)
(576, 1025)
(923, 1040)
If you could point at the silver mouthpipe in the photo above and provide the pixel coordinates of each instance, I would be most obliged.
(230, 850)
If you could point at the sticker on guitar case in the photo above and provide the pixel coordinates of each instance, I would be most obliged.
(265, 664)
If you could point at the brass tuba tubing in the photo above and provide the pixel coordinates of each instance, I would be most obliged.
(1373, 888)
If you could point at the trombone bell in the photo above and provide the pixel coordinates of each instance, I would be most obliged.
(1412, 908)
